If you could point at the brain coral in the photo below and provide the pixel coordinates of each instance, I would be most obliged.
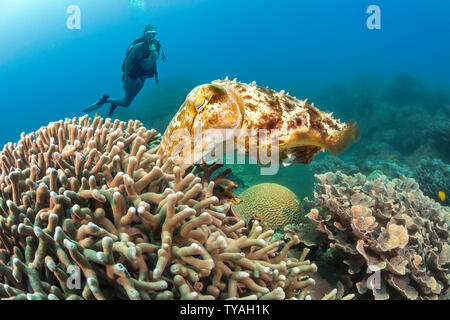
(395, 238)
(90, 198)
(276, 205)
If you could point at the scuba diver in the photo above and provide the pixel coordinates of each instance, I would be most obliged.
(139, 64)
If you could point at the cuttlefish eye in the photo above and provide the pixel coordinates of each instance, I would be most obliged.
(201, 102)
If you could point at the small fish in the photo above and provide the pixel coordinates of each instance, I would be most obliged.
(441, 195)
(303, 131)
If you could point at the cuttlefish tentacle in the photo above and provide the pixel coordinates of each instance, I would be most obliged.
(301, 130)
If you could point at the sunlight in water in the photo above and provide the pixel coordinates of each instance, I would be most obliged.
(152, 4)
(137, 4)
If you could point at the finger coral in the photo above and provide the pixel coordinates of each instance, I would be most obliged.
(274, 203)
(395, 238)
(88, 210)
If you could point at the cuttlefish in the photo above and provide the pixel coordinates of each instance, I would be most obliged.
(225, 110)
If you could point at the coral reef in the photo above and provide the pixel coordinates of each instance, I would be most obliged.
(328, 163)
(438, 131)
(403, 114)
(405, 90)
(409, 130)
(433, 176)
(275, 204)
(92, 195)
(389, 228)
(375, 157)
(223, 187)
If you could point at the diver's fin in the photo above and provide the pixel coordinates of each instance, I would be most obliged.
(98, 104)
(111, 109)
(91, 108)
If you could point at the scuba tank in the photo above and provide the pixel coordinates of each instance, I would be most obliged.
(130, 47)
(136, 69)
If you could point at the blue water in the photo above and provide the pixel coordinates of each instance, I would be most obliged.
(48, 72)
(394, 82)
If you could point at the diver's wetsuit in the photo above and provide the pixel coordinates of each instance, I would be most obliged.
(139, 65)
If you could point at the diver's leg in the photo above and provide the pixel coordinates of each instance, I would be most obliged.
(128, 87)
(131, 90)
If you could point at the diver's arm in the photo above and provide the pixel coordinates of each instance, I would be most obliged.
(162, 50)
(163, 54)
(156, 74)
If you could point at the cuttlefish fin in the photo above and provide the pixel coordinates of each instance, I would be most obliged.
(334, 143)
(342, 139)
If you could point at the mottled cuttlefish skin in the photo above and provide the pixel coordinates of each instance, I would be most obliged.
(302, 130)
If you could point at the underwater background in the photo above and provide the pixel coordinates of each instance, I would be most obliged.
(393, 81)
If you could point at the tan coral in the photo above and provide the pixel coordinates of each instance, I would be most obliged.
(93, 194)
(362, 218)
(397, 238)
(276, 204)
(385, 226)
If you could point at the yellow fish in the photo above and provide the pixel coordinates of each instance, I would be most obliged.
(302, 130)
(441, 195)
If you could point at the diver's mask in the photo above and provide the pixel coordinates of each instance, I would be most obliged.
(151, 34)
